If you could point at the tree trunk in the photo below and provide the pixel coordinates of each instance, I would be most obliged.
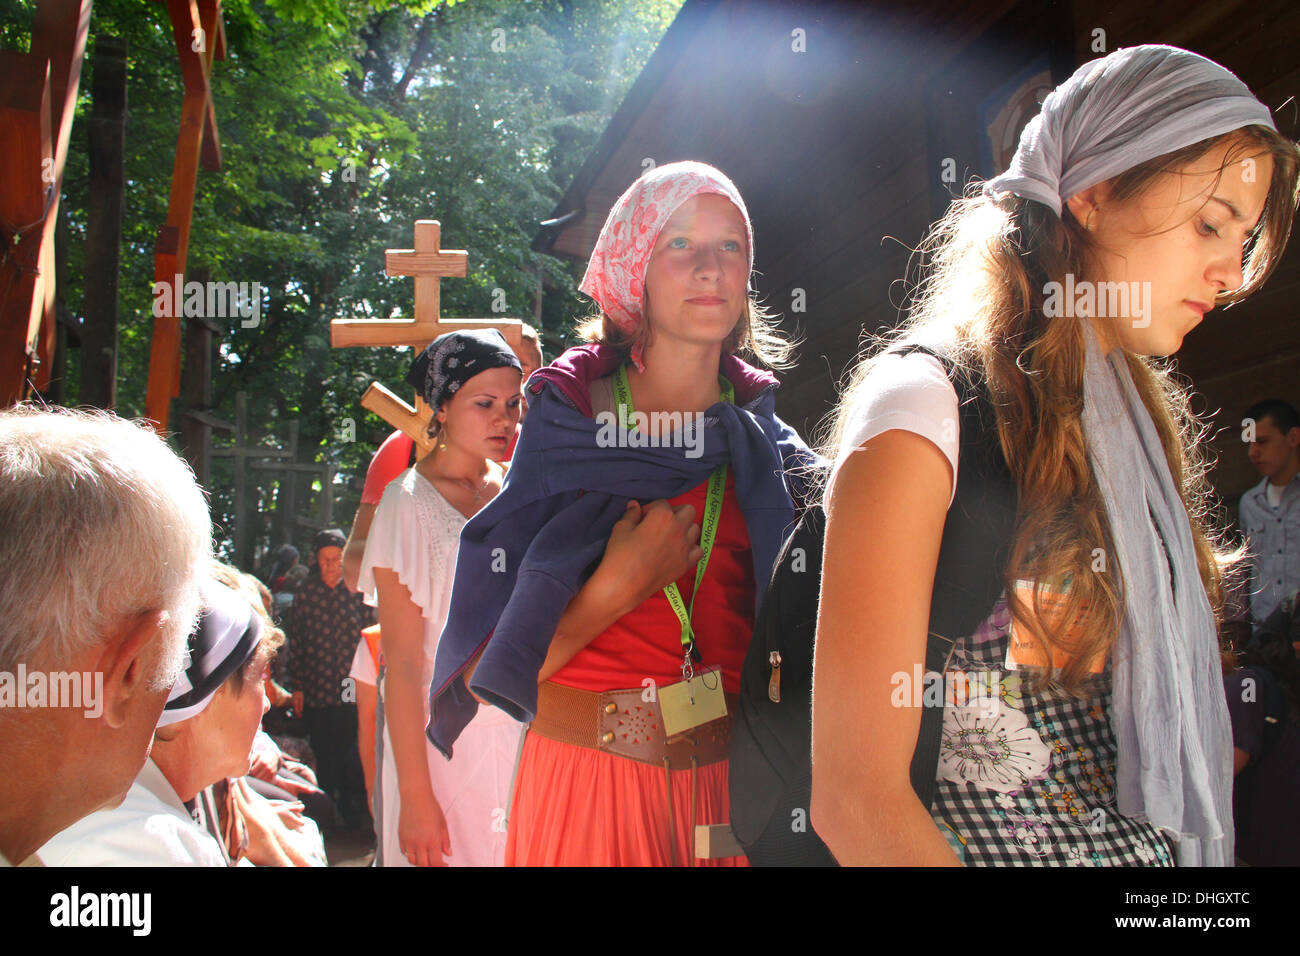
(107, 129)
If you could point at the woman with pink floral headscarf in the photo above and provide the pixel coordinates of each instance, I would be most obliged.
(695, 454)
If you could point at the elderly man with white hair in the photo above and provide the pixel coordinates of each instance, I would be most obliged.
(104, 539)
(205, 736)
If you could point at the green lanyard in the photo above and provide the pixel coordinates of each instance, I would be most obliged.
(708, 527)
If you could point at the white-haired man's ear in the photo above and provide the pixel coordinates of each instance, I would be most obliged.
(130, 660)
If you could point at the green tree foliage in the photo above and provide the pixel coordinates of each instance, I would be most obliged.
(341, 123)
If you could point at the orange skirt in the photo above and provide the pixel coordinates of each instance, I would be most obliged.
(577, 806)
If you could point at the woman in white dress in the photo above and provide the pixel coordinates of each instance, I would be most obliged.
(432, 811)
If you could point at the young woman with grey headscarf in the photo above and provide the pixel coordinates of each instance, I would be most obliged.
(1084, 720)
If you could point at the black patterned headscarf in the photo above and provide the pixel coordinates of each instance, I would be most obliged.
(454, 358)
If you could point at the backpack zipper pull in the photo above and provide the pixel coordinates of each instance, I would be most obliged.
(774, 682)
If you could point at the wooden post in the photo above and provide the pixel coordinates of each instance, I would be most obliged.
(200, 35)
(198, 422)
(24, 149)
(325, 470)
(38, 95)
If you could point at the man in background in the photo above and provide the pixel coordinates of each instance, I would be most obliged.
(324, 626)
(1269, 513)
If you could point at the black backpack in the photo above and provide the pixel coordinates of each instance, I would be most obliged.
(771, 756)
(1270, 653)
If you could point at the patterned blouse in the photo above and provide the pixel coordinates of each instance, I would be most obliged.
(1029, 779)
(325, 627)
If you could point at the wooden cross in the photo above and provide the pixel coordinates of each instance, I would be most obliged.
(244, 454)
(37, 104)
(324, 469)
(429, 263)
(412, 421)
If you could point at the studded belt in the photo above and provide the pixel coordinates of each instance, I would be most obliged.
(623, 723)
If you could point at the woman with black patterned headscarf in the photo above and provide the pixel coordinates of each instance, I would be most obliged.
(471, 381)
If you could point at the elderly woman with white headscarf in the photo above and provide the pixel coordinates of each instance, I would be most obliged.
(205, 735)
(1084, 720)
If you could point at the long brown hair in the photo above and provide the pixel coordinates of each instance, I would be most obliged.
(982, 273)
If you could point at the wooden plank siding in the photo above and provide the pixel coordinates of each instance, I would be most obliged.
(834, 150)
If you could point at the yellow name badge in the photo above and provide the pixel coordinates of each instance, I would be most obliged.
(690, 703)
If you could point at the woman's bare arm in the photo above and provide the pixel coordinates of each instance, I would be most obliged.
(355, 547)
(367, 709)
(421, 829)
(885, 523)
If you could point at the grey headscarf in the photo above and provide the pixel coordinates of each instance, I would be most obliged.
(1168, 711)
(1121, 110)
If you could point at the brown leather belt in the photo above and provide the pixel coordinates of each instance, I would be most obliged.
(620, 722)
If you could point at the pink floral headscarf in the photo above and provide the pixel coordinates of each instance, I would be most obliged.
(615, 275)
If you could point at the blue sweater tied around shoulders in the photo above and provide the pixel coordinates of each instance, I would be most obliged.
(525, 555)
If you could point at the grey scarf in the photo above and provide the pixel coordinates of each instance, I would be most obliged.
(1168, 710)
(1121, 110)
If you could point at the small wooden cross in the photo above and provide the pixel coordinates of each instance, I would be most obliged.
(429, 263)
(325, 470)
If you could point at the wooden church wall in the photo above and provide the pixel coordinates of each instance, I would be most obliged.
(841, 151)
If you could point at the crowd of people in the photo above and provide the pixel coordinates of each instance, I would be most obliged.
(534, 646)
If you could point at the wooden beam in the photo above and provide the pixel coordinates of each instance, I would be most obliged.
(59, 31)
(349, 333)
(24, 204)
(215, 31)
(411, 421)
(38, 95)
(194, 28)
(104, 202)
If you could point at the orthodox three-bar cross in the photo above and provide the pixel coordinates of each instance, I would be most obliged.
(429, 263)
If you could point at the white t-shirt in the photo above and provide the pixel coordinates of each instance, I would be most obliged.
(363, 666)
(909, 392)
(1274, 493)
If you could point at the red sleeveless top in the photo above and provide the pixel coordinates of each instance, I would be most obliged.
(647, 642)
